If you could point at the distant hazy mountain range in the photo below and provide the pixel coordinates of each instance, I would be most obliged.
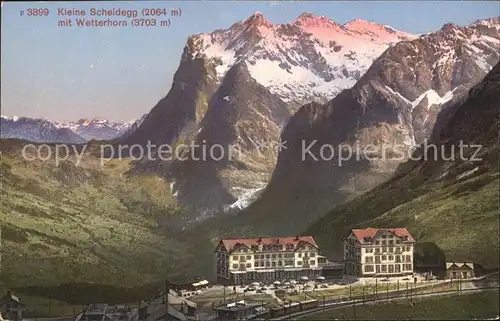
(75, 132)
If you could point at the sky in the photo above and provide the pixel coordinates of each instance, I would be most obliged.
(68, 73)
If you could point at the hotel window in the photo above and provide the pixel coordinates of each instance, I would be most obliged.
(280, 263)
(384, 249)
(377, 242)
(268, 256)
(391, 242)
(300, 254)
(384, 268)
(273, 263)
(256, 264)
(391, 268)
(398, 241)
(391, 257)
(384, 257)
(377, 250)
(391, 250)
(299, 263)
(312, 262)
(235, 258)
(249, 257)
(268, 263)
(313, 254)
(273, 256)
(398, 268)
(249, 265)
(235, 266)
(368, 268)
(377, 268)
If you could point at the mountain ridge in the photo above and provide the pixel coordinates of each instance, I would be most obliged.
(79, 131)
(394, 104)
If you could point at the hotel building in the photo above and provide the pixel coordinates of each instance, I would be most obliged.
(377, 252)
(240, 261)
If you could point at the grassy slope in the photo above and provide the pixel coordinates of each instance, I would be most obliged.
(478, 305)
(83, 223)
(460, 217)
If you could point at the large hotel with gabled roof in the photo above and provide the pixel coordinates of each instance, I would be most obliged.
(242, 261)
(373, 252)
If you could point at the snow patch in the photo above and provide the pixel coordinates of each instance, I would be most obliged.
(433, 98)
(245, 197)
(468, 173)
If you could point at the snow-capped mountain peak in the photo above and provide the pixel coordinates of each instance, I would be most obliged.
(488, 22)
(98, 128)
(13, 118)
(310, 58)
(308, 19)
(257, 20)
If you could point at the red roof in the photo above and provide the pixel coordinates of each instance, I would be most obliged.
(296, 241)
(370, 232)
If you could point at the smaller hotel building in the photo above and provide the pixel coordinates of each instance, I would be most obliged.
(241, 261)
(378, 252)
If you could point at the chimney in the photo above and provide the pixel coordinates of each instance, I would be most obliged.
(277, 241)
(296, 238)
(260, 239)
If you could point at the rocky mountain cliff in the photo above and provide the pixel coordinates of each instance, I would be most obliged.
(280, 66)
(236, 139)
(381, 119)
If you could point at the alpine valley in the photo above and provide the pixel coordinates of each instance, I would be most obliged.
(272, 95)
